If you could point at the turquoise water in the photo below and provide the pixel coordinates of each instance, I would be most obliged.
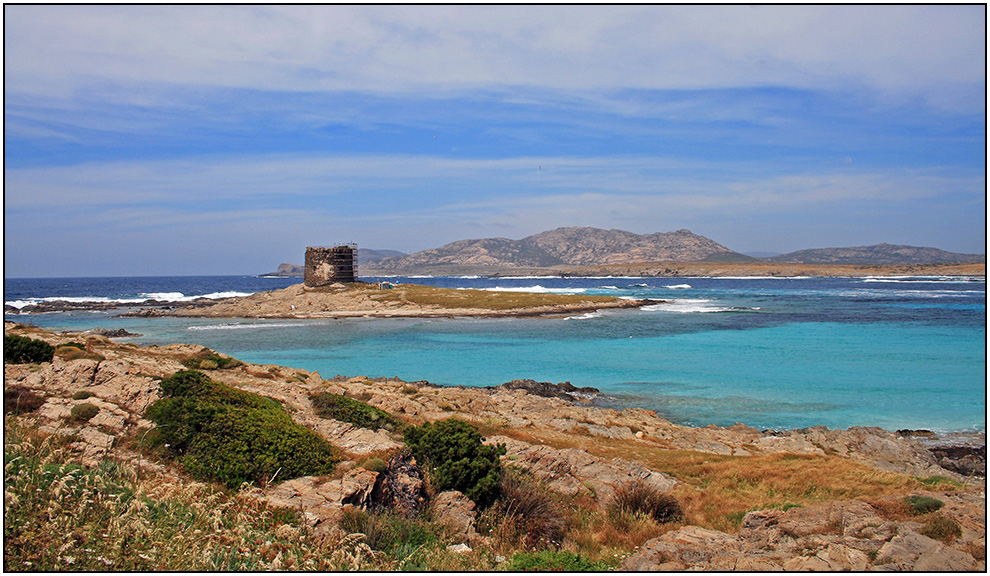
(895, 353)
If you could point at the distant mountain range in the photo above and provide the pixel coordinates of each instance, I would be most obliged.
(882, 253)
(574, 246)
(584, 246)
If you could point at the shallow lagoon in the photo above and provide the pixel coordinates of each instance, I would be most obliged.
(772, 353)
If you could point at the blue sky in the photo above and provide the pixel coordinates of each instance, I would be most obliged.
(161, 140)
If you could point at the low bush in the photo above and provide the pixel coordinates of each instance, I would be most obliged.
(456, 458)
(923, 504)
(24, 350)
(232, 436)
(553, 561)
(374, 464)
(69, 353)
(83, 412)
(78, 345)
(940, 482)
(82, 395)
(18, 400)
(208, 360)
(525, 515)
(638, 497)
(353, 411)
(941, 527)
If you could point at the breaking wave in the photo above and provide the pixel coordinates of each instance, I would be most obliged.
(689, 305)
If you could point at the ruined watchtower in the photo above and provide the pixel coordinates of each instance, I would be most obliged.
(326, 265)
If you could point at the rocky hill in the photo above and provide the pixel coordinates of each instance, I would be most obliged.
(572, 246)
(878, 254)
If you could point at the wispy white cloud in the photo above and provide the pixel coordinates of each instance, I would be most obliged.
(930, 52)
(537, 191)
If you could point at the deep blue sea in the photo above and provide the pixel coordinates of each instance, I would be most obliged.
(894, 352)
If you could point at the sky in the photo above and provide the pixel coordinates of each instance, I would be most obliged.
(187, 140)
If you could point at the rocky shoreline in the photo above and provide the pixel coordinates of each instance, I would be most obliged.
(576, 449)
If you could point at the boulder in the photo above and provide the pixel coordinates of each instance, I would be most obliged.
(321, 501)
(456, 511)
(690, 547)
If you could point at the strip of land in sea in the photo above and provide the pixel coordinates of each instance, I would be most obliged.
(698, 269)
(403, 300)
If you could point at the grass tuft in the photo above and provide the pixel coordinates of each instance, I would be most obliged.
(638, 497)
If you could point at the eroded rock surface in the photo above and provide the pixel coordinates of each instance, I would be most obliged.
(844, 536)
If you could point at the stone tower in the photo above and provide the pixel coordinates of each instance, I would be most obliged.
(328, 265)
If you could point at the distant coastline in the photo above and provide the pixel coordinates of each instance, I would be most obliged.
(696, 269)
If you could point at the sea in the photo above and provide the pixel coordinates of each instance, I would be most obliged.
(773, 353)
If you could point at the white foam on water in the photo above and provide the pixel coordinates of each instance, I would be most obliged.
(251, 326)
(678, 286)
(698, 305)
(537, 289)
(586, 316)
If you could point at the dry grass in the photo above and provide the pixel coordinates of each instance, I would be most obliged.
(61, 516)
(716, 491)
(482, 299)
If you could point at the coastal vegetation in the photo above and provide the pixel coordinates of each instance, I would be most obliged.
(221, 433)
(209, 360)
(24, 350)
(353, 411)
(457, 459)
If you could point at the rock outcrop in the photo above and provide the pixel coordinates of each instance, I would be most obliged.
(573, 471)
(563, 390)
(456, 511)
(844, 536)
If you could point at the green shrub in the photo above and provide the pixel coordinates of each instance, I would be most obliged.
(346, 409)
(456, 458)
(941, 527)
(553, 561)
(374, 464)
(923, 504)
(638, 497)
(207, 360)
(232, 436)
(24, 350)
(78, 345)
(83, 412)
(18, 400)
(82, 395)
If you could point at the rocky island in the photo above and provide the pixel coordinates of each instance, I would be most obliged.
(90, 484)
(359, 299)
